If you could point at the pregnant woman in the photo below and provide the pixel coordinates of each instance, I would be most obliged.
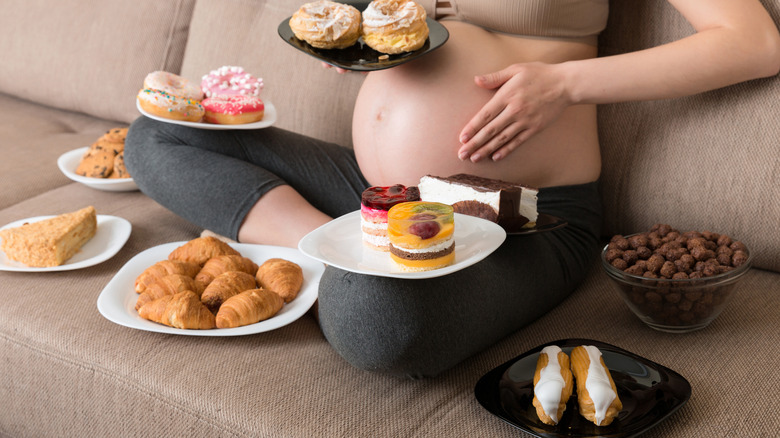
(510, 96)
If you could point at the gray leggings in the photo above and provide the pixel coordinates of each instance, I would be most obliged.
(416, 328)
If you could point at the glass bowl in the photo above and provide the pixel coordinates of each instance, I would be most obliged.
(676, 305)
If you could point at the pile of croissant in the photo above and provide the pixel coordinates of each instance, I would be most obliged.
(206, 284)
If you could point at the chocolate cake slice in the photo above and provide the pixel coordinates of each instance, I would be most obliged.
(513, 206)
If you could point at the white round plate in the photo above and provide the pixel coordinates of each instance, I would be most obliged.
(69, 161)
(269, 118)
(111, 235)
(117, 301)
(339, 243)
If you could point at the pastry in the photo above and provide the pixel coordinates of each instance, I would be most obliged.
(97, 162)
(50, 242)
(201, 249)
(233, 110)
(248, 307)
(326, 24)
(230, 80)
(375, 202)
(182, 310)
(421, 235)
(224, 263)
(173, 84)
(553, 384)
(168, 285)
(282, 277)
(394, 26)
(224, 286)
(119, 168)
(170, 106)
(162, 268)
(513, 206)
(596, 392)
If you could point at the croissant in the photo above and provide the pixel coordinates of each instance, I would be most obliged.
(226, 285)
(224, 263)
(553, 384)
(282, 277)
(168, 285)
(163, 268)
(181, 310)
(596, 392)
(201, 249)
(248, 307)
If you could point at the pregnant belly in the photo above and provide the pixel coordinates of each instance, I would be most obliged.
(408, 119)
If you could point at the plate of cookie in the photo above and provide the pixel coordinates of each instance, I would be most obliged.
(359, 56)
(69, 164)
(648, 392)
(118, 299)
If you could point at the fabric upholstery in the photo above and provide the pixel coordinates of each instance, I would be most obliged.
(707, 162)
(89, 59)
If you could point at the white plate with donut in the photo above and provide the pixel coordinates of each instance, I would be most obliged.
(269, 118)
(339, 243)
(69, 161)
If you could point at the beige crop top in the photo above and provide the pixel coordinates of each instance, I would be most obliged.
(559, 19)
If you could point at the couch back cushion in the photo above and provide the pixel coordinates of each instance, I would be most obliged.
(706, 162)
(308, 99)
(90, 57)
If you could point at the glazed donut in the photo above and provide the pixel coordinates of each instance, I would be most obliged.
(161, 104)
(233, 110)
(172, 84)
(394, 26)
(230, 81)
(326, 24)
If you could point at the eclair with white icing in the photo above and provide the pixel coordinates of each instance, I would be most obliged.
(553, 384)
(596, 392)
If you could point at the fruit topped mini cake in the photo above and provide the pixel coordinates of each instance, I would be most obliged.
(421, 235)
(373, 212)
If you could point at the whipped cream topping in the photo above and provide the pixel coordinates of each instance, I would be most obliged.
(398, 14)
(597, 384)
(334, 19)
(550, 385)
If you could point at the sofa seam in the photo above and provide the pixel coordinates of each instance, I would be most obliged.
(123, 381)
(171, 33)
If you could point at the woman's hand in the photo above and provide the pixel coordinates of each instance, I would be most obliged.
(529, 97)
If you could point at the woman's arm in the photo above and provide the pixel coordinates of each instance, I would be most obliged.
(735, 41)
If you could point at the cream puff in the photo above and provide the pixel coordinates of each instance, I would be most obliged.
(394, 26)
(326, 24)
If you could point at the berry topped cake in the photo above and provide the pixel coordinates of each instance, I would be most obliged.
(513, 206)
(375, 203)
(421, 235)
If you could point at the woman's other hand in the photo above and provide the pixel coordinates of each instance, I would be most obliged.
(529, 97)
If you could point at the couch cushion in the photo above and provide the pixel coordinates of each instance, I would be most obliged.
(706, 162)
(308, 99)
(81, 62)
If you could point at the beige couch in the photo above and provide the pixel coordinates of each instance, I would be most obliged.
(69, 72)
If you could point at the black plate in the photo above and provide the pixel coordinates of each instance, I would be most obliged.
(649, 392)
(360, 57)
(544, 222)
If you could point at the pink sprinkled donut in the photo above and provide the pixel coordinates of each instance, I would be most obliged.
(172, 84)
(233, 110)
(230, 81)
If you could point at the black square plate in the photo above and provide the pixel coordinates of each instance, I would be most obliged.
(649, 392)
(360, 57)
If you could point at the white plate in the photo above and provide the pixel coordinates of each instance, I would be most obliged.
(339, 243)
(111, 235)
(269, 118)
(117, 301)
(69, 161)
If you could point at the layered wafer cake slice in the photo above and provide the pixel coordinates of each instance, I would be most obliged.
(513, 206)
(50, 242)
(375, 202)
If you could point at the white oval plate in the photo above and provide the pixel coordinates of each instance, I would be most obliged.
(112, 233)
(339, 243)
(269, 118)
(69, 161)
(117, 300)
